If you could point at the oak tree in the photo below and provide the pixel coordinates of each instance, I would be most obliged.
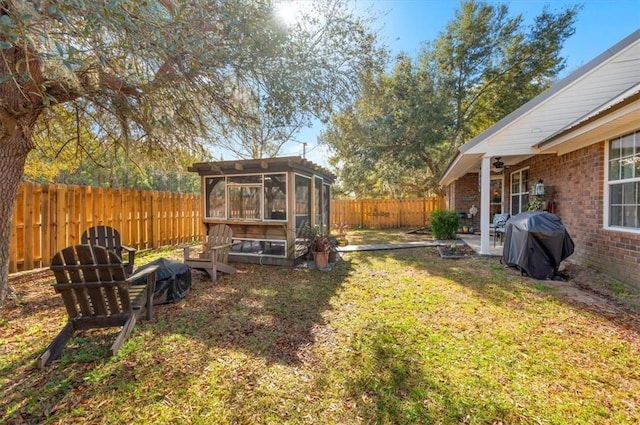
(157, 74)
(484, 65)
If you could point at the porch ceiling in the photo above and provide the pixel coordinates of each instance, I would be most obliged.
(460, 166)
(470, 163)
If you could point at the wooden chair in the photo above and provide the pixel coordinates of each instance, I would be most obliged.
(109, 238)
(215, 257)
(97, 294)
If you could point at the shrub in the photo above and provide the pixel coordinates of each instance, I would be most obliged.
(444, 224)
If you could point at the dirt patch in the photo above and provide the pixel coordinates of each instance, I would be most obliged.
(597, 292)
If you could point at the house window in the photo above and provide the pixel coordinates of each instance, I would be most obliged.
(624, 182)
(519, 191)
(496, 193)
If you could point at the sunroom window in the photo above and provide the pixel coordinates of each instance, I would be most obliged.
(303, 203)
(275, 197)
(318, 195)
(215, 197)
(624, 182)
(326, 203)
(250, 197)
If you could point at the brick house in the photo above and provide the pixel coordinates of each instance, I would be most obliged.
(581, 138)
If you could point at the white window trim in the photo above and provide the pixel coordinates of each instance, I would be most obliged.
(520, 171)
(605, 191)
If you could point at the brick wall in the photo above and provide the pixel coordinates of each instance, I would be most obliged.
(576, 183)
(464, 193)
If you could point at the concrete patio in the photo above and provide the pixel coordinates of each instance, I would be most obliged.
(473, 241)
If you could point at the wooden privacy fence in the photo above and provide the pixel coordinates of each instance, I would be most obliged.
(385, 213)
(50, 217)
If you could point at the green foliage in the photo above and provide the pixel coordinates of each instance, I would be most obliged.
(182, 78)
(444, 224)
(156, 77)
(535, 204)
(318, 240)
(407, 125)
(69, 152)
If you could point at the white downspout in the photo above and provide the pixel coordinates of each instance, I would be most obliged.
(485, 183)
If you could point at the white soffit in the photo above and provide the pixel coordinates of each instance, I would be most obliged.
(605, 128)
(614, 118)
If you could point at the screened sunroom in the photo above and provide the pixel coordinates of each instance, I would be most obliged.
(268, 203)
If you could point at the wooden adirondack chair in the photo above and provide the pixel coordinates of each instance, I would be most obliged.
(109, 238)
(97, 294)
(215, 257)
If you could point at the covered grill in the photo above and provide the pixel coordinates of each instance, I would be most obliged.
(536, 243)
(173, 280)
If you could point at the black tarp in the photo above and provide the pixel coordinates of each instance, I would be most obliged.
(536, 242)
(173, 280)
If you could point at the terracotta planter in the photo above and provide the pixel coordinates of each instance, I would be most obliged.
(321, 258)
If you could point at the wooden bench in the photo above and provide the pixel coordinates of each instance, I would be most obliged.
(97, 294)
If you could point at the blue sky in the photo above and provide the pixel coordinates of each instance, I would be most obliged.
(406, 24)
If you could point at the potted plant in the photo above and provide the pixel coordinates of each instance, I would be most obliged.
(320, 250)
(341, 230)
(536, 204)
(319, 244)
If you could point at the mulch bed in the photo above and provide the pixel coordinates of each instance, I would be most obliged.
(460, 251)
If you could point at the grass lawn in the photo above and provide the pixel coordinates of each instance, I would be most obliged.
(386, 337)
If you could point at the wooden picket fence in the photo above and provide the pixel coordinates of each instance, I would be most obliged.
(50, 217)
(385, 213)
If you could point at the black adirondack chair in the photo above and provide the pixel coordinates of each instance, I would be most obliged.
(97, 294)
(109, 238)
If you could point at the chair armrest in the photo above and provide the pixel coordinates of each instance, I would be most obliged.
(150, 274)
(143, 273)
(187, 253)
(226, 245)
(131, 258)
(128, 249)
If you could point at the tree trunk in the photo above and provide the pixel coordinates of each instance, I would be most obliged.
(14, 148)
(20, 106)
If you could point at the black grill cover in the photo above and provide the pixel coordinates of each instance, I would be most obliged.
(173, 280)
(536, 242)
